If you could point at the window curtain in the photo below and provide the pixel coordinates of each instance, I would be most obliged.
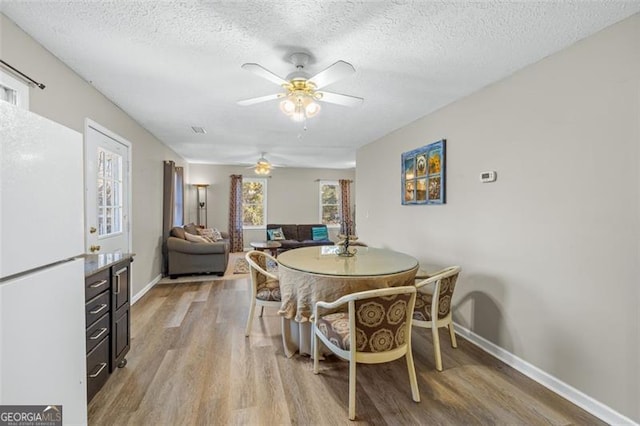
(172, 204)
(346, 225)
(235, 214)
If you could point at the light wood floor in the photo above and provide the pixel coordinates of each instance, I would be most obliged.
(191, 364)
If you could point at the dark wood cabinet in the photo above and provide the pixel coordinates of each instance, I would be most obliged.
(107, 295)
(120, 277)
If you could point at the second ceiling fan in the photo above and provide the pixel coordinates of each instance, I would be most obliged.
(301, 91)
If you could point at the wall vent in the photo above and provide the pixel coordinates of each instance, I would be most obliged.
(200, 130)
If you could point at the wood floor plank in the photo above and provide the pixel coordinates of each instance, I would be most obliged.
(190, 364)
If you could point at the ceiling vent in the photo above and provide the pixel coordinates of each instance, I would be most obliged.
(200, 130)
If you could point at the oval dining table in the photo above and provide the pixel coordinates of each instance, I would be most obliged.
(311, 274)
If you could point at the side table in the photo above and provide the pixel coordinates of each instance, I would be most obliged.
(271, 246)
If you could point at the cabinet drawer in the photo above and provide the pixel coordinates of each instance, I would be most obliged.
(96, 284)
(97, 332)
(97, 368)
(97, 307)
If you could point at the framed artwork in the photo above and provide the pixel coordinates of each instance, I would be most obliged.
(423, 174)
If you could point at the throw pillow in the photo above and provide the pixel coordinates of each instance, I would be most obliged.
(195, 238)
(319, 233)
(276, 234)
(216, 234)
(178, 232)
(209, 234)
(191, 229)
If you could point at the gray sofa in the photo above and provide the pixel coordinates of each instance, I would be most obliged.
(187, 258)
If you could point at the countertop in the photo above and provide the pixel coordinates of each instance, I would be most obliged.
(97, 262)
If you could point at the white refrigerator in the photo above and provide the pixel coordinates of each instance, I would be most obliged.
(42, 315)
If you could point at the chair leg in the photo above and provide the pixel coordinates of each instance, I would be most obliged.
(415, 393)
(436, 346)
(352, 389)
(316, 350)
(252, 307)
(452, 334)
(261, 311)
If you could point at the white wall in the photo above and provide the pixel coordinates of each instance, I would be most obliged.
(550, 252)
(292, 195)
(68, 99)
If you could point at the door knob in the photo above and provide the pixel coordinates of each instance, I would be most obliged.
(94, 248)
(92, 230)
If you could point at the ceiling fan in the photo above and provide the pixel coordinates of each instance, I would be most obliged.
(301, 91)
(262, 166)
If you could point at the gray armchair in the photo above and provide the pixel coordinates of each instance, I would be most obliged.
(186, 257)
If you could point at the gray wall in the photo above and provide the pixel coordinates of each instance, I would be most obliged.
(68, 99)
(549, 252)
(292, 195)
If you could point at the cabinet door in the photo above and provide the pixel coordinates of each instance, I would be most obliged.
(121, 335)
(120, 284)
(120, 327)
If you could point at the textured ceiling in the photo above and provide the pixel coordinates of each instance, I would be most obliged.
(172, 65)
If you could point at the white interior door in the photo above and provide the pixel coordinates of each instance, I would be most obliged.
(107, 187)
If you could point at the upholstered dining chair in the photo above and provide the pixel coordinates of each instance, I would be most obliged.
(265, 286)
(375, 328)
(433, 306)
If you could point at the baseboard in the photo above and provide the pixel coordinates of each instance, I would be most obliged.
(587, 403)
(146, 288)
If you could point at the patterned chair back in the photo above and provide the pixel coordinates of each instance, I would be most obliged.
(445, 284)
(265, 287)
(382, 323)
(260, 261)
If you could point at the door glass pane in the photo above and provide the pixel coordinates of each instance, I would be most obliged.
(100, 193)
(117, 219)
(109, 220)
(102, 229)
(108, 194)
(109, 198)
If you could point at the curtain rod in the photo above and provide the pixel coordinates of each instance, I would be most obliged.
(23, 75)
(318, 180)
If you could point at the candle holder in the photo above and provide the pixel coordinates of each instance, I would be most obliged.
(344, 245)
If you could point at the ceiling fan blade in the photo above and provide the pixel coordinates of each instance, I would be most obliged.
(344, 100)
(264, 73)
(333, 73)
(257, 100)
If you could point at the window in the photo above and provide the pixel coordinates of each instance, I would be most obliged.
(14, 91)
(178, 202)
(330, 202)
(254, 202)
(109, 193)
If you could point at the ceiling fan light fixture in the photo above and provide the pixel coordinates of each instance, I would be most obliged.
(312, 109)
(287, 106)
(299, 107)
(263, 167)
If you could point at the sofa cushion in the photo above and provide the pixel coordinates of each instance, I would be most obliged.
(210, 234)
(289, 244)
(275, 234)
(195, 238)
(305, 231)
(191, 228)
(290, 231)
(177, 232)
(319, 233)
